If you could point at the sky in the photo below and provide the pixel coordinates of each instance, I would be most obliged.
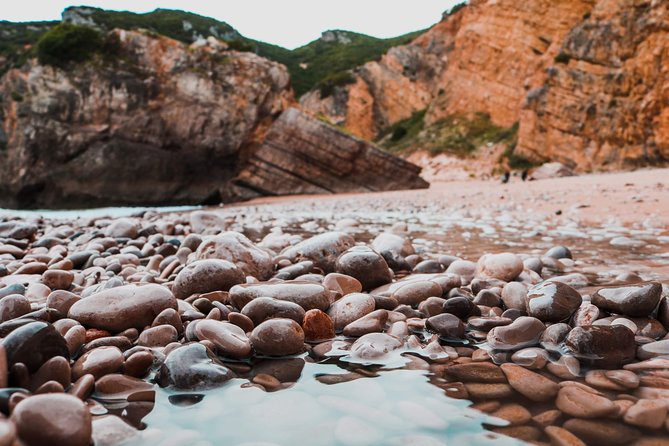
(289, 23)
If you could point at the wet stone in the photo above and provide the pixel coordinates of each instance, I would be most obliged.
(229, 339)
(366, 265)
(263, 308)
(647, 413)
(370, 323)
(54, 419)
(653, 349)
(523, 332)
(238, 249)
(504, 266)
(415, 292)
(601, 432)
(635, 300)
(98, 362)
(530, 384)
(461, 307)
(552, 301)
(604, 347)
(158, 336)
(577, 402)
(446, 325)
(350, 308)
(317, 326)
(193, 367)
(322, 249)
(374, 346)
(123, 307)
(204, 276)
(308, 295)
(484, 372)
(33, 344)
(514, 295)
(278, 337)
(487, 323)
(342, 284)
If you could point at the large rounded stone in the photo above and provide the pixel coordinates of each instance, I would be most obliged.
(236, 248)
(308, 295)
(602, 432)
(33, 344)
(229, 339)
(317, 326)
(366, 265)
(120, 308)
(322, 249)
(530, 384)
(204, 276)
(278, 337)
(350, 308)
(552, 301)
(523, 332)
(505, 266)
(514, 295)
(633, 300)
(579, 402)
(263, 308)
(192, 368)
(602, 346)
(53, 419)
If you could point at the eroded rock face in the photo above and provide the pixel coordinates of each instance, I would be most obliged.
(166, 126)
(584, 79)
(168, 123)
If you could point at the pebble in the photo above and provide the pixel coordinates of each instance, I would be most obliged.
(601, 346)
(523, 332)
(461, 307)
(602, 432)
(646, 413)
(158, 336)
(317, 326)
(322, 249)
(635, 300)
(653, 349)
(263, 308)
(350, 308)
(278, 337)
(204, 276)
(414, 292)
(562, 437)
(514, 295)
(365, 265)
(238, 249)
(193, 367)
(33, 344)
(120, 308)
(577, 402)
(446, 325)
(373, 322)
(515, 414)
(374, 346)
(505, 266)
(530, 384)
(308, 295)
(53, 419)
(98, 362)
(230, 340)
(484, 372)
(552, 301)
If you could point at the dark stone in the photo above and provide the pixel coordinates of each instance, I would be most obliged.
(461, 307)
(633, 300)
(33, 344)
(193, 367)
(602, 346)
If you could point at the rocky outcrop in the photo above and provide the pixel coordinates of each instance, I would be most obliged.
(584, 79)
(605, 104)
(160, 122)
(301, 155)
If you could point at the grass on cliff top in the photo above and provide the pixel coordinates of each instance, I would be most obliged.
(309, 65)
(323, 60)
(457, 135)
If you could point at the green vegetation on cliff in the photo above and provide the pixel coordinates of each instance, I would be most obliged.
(458, 135)
(65, 43)
(317, 64)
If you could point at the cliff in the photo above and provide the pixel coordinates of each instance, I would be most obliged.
(583, 81)
(154, 122)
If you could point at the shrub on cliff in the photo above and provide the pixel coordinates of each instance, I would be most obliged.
(65, 43)
(328, 85)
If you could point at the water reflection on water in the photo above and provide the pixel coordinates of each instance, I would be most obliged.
(396, 407)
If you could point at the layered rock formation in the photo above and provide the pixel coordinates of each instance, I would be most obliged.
(584, 79)
(301, 155)
(159, 122)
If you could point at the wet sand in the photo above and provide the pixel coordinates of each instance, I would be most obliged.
(629, 198)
